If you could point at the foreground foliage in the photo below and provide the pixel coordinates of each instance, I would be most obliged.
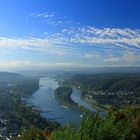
(122, 124)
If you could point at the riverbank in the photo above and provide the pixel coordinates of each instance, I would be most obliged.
(99, 107)
(32, 113)
(95, 105)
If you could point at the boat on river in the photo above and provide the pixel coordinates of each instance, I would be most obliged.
(51, 99)
(64, 106)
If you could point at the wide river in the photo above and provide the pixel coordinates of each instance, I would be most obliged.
(45, 101)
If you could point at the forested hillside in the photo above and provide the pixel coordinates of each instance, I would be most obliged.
(21, 122)
(108, 82)
(114, 89)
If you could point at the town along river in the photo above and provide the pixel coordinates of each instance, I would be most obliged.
(44, 100)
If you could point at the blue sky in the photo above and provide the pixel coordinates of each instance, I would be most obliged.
(69, 33)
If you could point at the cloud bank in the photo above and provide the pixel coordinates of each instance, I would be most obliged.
(84, 46)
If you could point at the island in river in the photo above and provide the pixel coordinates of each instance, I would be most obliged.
(63, 96)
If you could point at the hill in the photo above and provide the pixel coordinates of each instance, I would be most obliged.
(114, 89)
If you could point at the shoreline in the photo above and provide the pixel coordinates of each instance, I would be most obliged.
(36, 109)
(98, 107)
(95, 105)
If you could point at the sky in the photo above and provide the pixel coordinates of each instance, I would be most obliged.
(41, 34)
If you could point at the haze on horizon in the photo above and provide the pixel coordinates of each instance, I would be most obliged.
(69, 34)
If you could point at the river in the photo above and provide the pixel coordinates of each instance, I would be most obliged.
(45, 101)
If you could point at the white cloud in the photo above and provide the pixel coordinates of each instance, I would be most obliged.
(93, 55)
(123, 38)
(89, 56)
(16, 64)
(44, 15)
(13, 64)
(128, 58)
(124, 45)
(46, 45)
(74, 33)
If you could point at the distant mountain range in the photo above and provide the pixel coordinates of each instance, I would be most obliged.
(9, 75)
(96, 70)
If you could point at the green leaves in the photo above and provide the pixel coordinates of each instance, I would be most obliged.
(121, 124)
